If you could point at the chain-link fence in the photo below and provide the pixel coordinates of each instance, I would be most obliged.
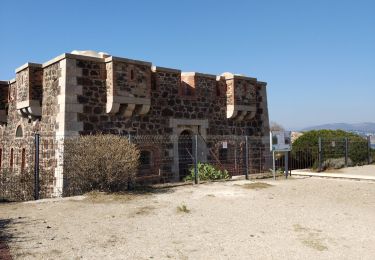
(35, 168)
(328, 153)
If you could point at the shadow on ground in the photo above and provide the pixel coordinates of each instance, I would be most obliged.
(5, 236)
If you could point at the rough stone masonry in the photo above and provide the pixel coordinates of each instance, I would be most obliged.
(85, 92)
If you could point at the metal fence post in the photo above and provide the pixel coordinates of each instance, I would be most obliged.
(247, 158)
(196, 160)
(273, 165)
(286, 157)
(346, 152)
(235, 158)
(291, 163)
(368, 149)
(129, 180)
(36, 167)
(320, 154)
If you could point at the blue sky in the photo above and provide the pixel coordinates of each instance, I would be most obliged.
(318, 57)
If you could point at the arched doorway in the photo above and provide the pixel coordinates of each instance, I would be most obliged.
(185, 153)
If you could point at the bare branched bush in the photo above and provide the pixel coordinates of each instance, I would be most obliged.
(21, 186)
(336, 163)
(98, 162)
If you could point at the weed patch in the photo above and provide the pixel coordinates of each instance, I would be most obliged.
(256, 186)
(183, 208)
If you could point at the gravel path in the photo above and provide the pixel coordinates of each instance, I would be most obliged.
(298, 218)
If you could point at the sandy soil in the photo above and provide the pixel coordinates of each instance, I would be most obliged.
(298, 218)
(365, 170)
(358, 170)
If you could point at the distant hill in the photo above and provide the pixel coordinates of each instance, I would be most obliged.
(361, 127)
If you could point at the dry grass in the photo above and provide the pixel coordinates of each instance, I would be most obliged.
(256, 185)
(310, 237)
(103, 197)
(183, 208)
(143, 211)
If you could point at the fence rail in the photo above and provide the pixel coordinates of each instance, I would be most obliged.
(34, 168)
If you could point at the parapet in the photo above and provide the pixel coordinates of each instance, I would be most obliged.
(241, 96)
(128, 86)
(4, 91)
(29, 82)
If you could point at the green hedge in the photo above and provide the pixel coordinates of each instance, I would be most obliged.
(333, 146)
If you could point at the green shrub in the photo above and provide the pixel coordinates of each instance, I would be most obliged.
(207, 172)
(98, 162)
(333, 146)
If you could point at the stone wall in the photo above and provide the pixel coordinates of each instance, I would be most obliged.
(23, 84)
(4, 91)
(50, 108)
(18, 132)
(86, 95)
(29, 83)
(10, 143)
(169, 100)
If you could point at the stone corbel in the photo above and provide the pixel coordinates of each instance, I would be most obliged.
(128, 106)
(124, 101)
(249, 115)
(240, 112)
(111, 106)
(29, 108)
(231, 112)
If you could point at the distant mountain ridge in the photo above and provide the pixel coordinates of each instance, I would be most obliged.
(366, 127)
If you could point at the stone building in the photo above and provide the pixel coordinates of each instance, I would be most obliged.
(86, 92)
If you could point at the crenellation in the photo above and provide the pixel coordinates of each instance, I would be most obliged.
(29, 92)
(164, 69)
(28, 65)
(4, 96)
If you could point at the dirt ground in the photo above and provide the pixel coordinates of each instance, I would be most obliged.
(366, 170)
(298, 218)
(358, 170)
